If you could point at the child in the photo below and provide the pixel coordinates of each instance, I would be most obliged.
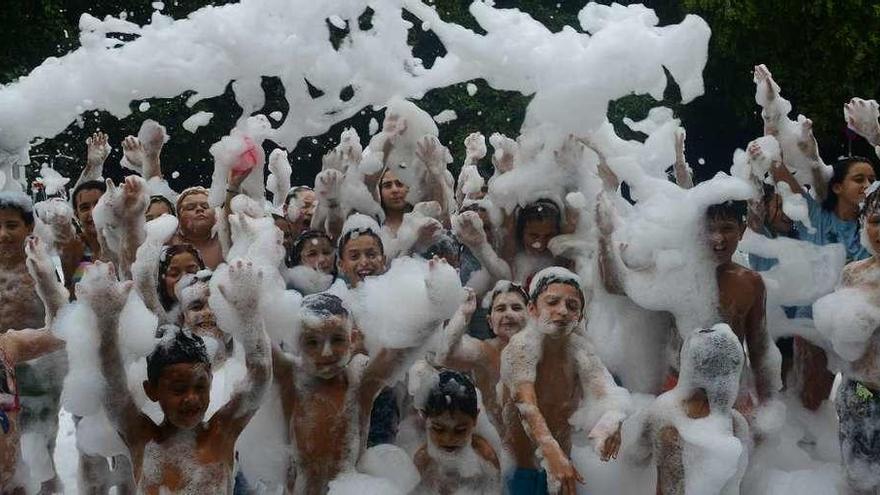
(19, 346)
(184, 454)
(361, 251)
(454, 458)
(694, 425)
(328, 392)
(547, 370)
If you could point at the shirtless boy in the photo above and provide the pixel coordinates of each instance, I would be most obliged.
(183, 454)
(454, 457)
(328, 392)
(547, 370)
(197, 220)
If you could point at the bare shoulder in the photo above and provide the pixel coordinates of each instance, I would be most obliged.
(668, 434)
(748, 276)
(857, 271)
(484, 450)
(421, 458)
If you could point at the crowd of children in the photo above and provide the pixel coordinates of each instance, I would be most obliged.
(477, 323)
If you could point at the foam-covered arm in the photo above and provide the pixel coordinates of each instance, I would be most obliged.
(26, 344)
(243, 294)
(135, 204)
(640, 451)
(609, 269)
(683, 175)
(41, 269)
(862, 117)
(460, 350)
(145, 274)
(97, 151)
(607, 403)
(469, 229)
(763, 354)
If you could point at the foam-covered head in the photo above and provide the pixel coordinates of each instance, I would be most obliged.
(159, 205)
(556, 300)
(325, 337)
(870, 219)
(361, 252)
(712, 359)
(300, 204)
(315, 249)
(192, 292)
(195, 212)
(445, 247)
(507, 303)
(179, 376)
(16, 223)
(450, 410)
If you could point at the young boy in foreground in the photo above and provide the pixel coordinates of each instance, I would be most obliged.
(547, 371)
(454, 457)
(183, 454)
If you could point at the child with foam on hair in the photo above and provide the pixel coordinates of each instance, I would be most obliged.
(184, 453)
(550, 372)
(697, 440)
(454, 459)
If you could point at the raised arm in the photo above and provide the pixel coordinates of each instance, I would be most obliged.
(459, 350)
(23, 345)
(142, 153)
(134, 207)
(774, 108)
(97, 151)
(50, 290)
(328, 212)
(468, 227)
(243, 294)
(683, 176)
(608, 267)
(435, 157)
(106, 297)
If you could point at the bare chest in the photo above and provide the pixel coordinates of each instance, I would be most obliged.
(20, 307)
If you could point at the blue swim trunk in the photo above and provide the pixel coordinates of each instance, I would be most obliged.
(525, 481)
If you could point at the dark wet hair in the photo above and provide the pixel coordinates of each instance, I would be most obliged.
(158, 198)
(446, 246)
(300, 243)
(351, 234)
(542, 209)
(841, 168)
(89, 185)
(175, 347)
(324, 305)
(168, 254)
(872, 202)
(545, 282)
(454, 391)
(735, 210)
(19, 202)
(408, 208)
(508, 288)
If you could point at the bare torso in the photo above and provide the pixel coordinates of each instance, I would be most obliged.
(210, 250)
(19, 305)
(448, 481)
(865, 275)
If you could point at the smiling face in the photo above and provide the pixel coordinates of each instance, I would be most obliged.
(326, 347)
(451, 431)
(319, 254)
(507, 315)
(180, 265)
(723, 236)
(361, 257)
(558, 308)
(13, 232)
(851, 191)
(86, 199)
(183, 391)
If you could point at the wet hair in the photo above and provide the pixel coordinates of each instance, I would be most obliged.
(189, 191)
(504, 287)
(735, 210)
(542, 209)
(158, 198)
(446, 246)
(408, 208)
(841, 168)
(89, 185)
(454, 391)
(168, 254)
(872, 200)
(19, 202)
(555, 275)
(175, 346)
(300, 243)
(294, 192)
(324, 305)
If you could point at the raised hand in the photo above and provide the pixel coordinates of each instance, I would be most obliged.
(862, 117)
(134, 197)
(244, 286)
(433, 280)
(434, 155)
(505, 152)
(468, 227)
(766, 86)
(101, 290)
(806, 141)
(134, 153)
(152, 136)
(97, 149)
(427, 232)
(350, 149)
(475, 148)
(327, 186)
(393, 125)
(571, 154)
(469, 306)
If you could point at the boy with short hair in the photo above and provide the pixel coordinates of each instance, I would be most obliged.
(454, 457)
(184, 454)
(328, 391)
(547, 371)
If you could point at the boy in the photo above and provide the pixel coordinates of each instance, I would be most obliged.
(328, 392)
(361, 251)
(184, 454)
(454, 457)
(197, 220)
(19, 346)
(547, 370)
(711, 362)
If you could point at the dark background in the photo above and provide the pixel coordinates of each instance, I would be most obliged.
(821, 52)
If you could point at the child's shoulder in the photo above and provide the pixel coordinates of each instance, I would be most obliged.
(485, 450)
